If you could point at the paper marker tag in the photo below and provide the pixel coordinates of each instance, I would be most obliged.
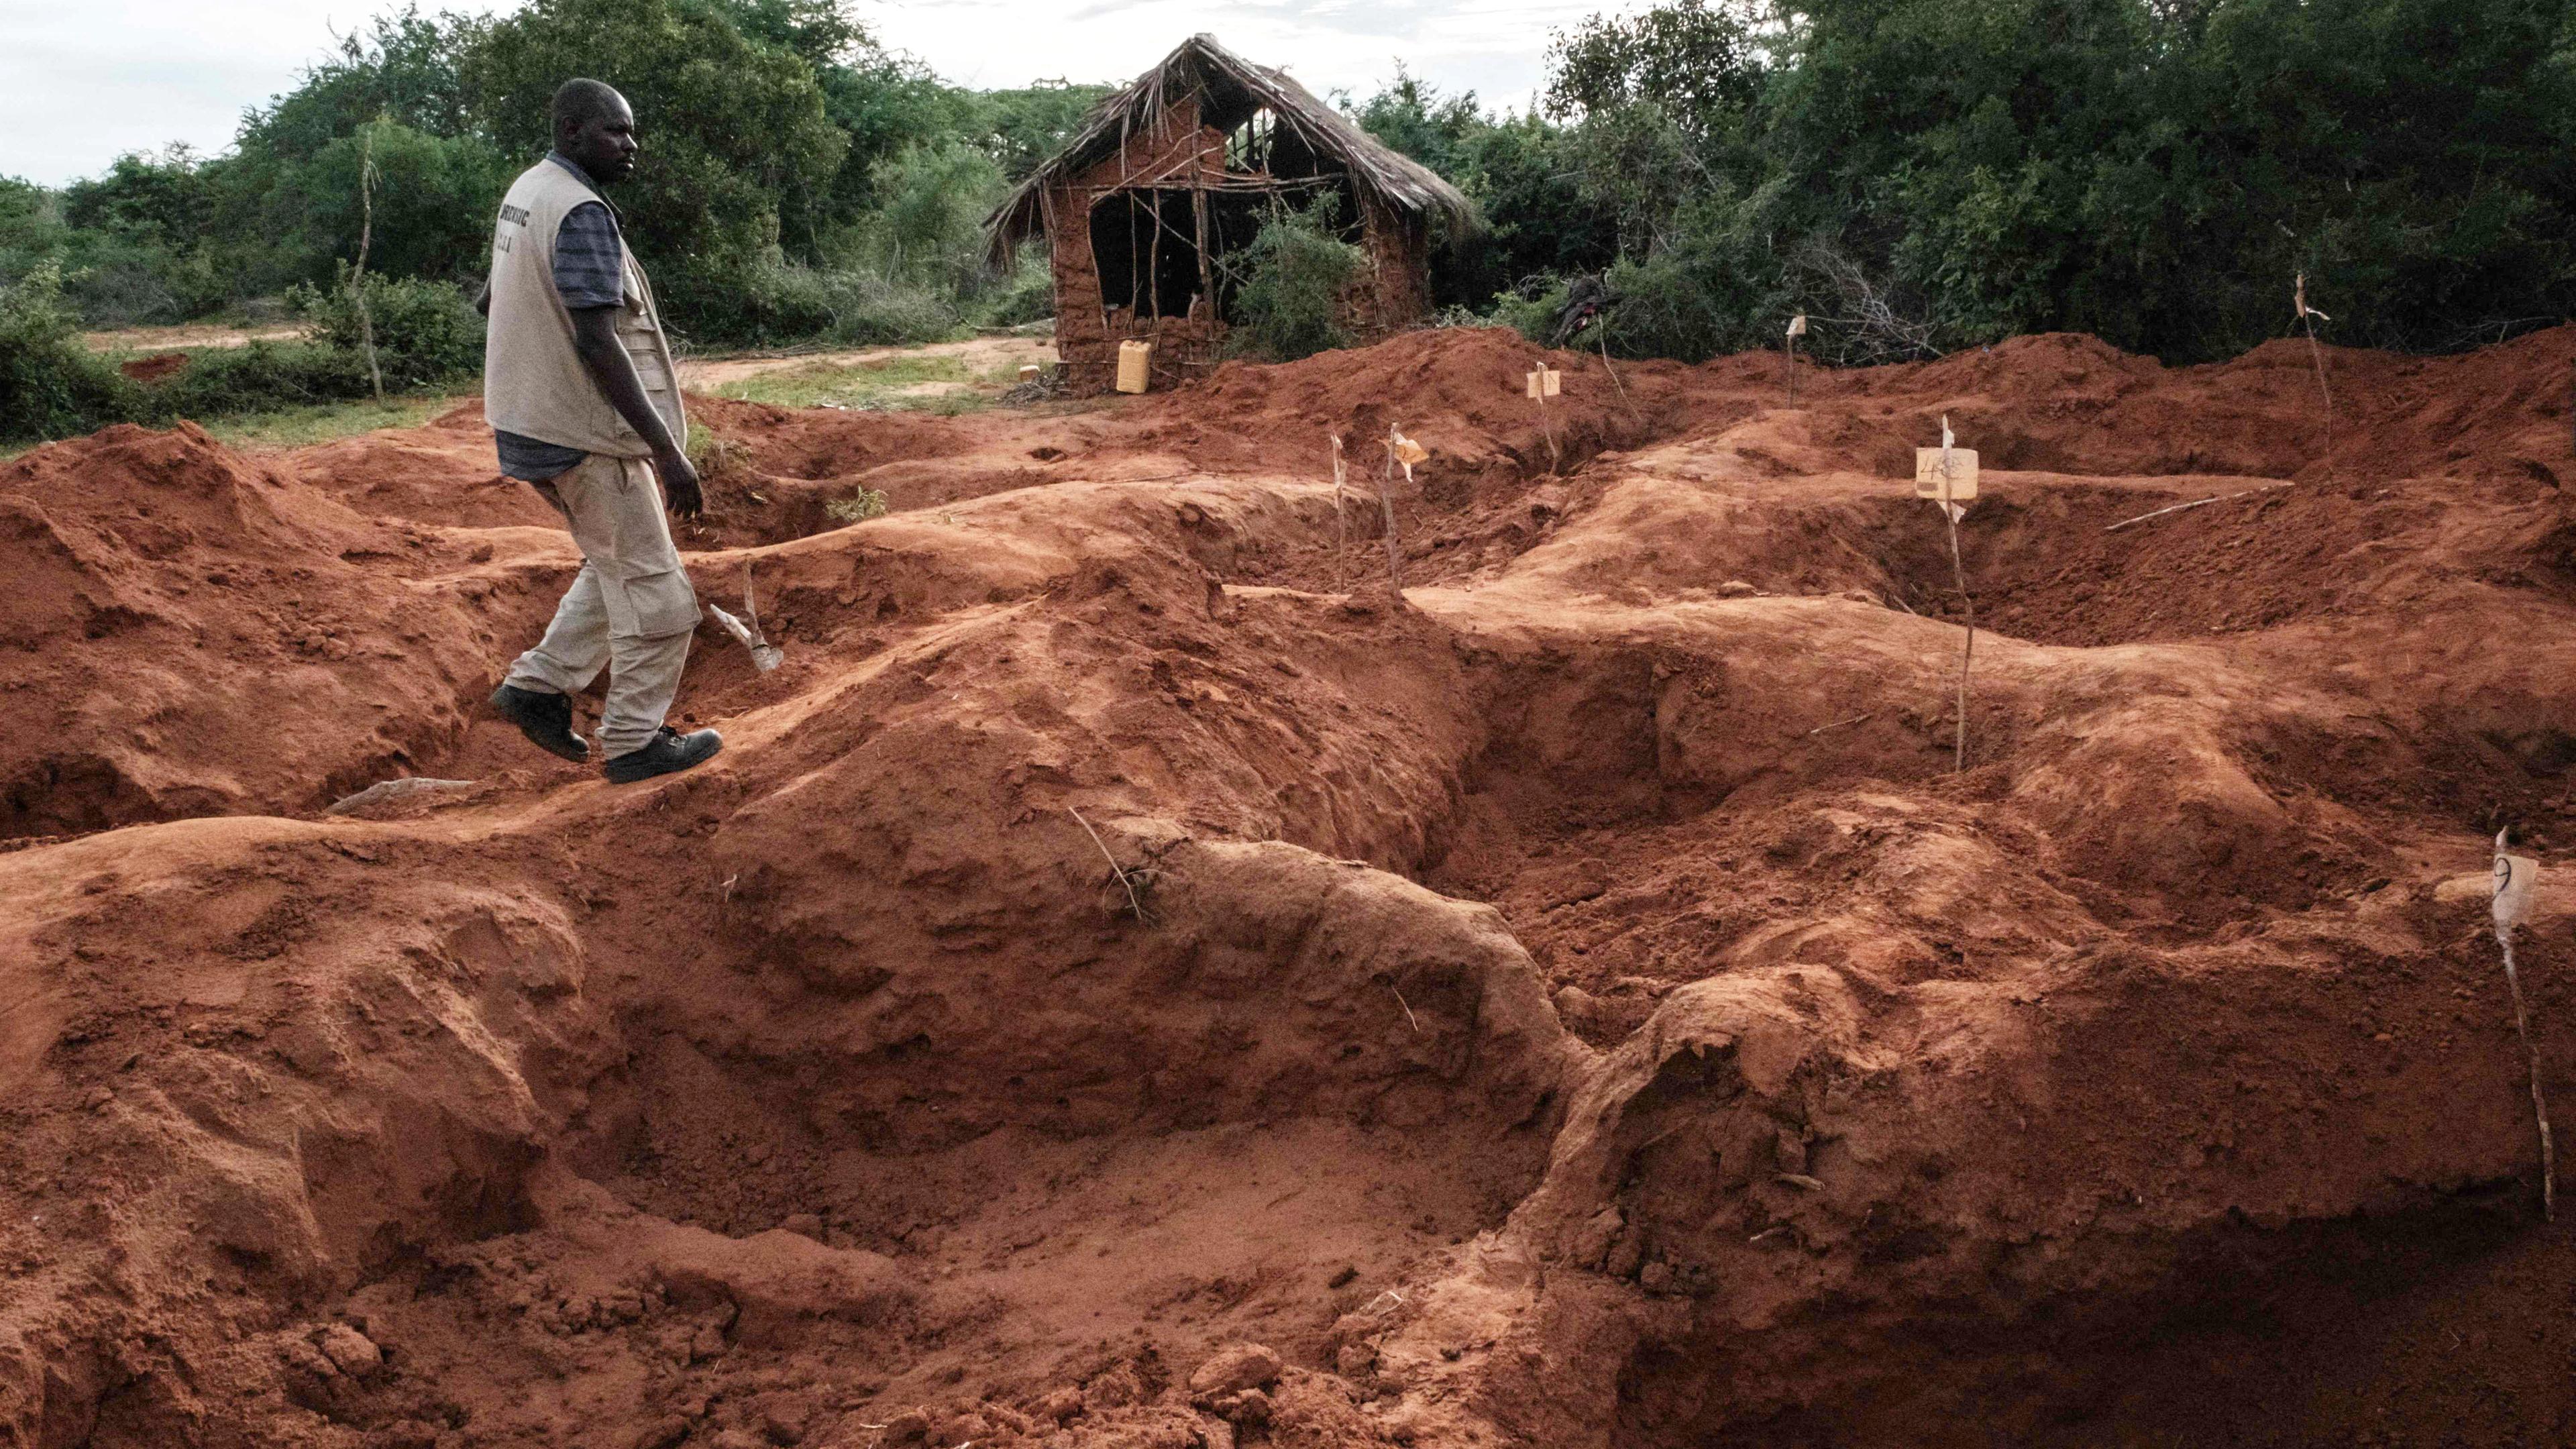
(1962, 474)
(1545, 382)
(2515, 877)
(1798, 325)
(1409, 452)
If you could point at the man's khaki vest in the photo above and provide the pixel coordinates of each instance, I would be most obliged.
(534, 383)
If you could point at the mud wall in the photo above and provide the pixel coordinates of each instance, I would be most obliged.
(1392, 290)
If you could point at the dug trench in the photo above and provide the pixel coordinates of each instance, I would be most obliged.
(1572, 1001)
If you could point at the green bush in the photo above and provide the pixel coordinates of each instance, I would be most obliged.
(432, 203)
(1532, 311)
(50, 385)
(859, 507)
(732, 124)
(1025, 294)
(425, 331)
(854, 306)
(1295, 270)
(262, 377)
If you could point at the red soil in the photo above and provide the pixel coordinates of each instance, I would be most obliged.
(154, 368)
(1572, 1003)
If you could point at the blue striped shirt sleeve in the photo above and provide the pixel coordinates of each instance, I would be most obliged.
(587, 257)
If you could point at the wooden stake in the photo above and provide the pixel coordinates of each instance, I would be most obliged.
(1967, 651)
(2316, 354)
(1199, 218)
(1614, 372)
(1386, 501)
(1789, 354)
(1536, 385)
(1959, 573)
(1341, 519)
(2539, 1107)
(2504, 924)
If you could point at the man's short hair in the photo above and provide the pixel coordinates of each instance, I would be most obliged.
(581, 100)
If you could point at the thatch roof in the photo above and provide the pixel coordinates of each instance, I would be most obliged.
(1231, 89)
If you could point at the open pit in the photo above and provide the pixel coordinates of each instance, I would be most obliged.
(1573, 1001)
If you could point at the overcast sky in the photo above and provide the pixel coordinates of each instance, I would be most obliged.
(82, 81)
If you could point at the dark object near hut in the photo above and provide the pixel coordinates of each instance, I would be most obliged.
(1147, 206)
(1586, 297)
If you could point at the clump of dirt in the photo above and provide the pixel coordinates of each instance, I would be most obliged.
(196, 633)
(1135, 977)
(154, 368)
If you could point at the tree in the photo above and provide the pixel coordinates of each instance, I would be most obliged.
(1516, 168)
(731, 127)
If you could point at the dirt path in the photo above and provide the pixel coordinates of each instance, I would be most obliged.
(185, 335)
(1134, 978)
(982, 355)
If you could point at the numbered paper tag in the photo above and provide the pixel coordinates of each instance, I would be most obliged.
(2515, 876)
(1409, 452)
(1798, 325)
(1546, 382)
(1957, 486)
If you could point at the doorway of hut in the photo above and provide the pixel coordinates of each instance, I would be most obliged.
(1146, 246)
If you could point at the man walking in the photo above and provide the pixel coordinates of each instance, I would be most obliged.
(584, 402)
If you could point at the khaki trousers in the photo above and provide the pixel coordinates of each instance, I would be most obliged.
(630, 610)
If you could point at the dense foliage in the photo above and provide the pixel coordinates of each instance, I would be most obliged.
(1918, 175)
(1294, 272)
(798, 180)
(1936, 173)
(51, 385)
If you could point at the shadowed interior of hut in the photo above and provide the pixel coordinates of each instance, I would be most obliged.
(1146, 246)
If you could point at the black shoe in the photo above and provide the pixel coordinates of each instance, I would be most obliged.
(667, 752)
(546, 719)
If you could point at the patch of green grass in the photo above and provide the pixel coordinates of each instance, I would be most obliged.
(878, 384)
(322, 422)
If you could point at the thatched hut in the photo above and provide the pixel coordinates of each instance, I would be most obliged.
(1169, 177)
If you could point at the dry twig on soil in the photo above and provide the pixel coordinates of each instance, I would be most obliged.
(2195, 503)
(1120, 871)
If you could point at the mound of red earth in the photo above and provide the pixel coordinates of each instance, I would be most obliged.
(1134, 978)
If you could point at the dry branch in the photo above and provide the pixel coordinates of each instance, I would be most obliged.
(2195, 503)
(1874, 331)
(1120, 871)
(358, 274)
